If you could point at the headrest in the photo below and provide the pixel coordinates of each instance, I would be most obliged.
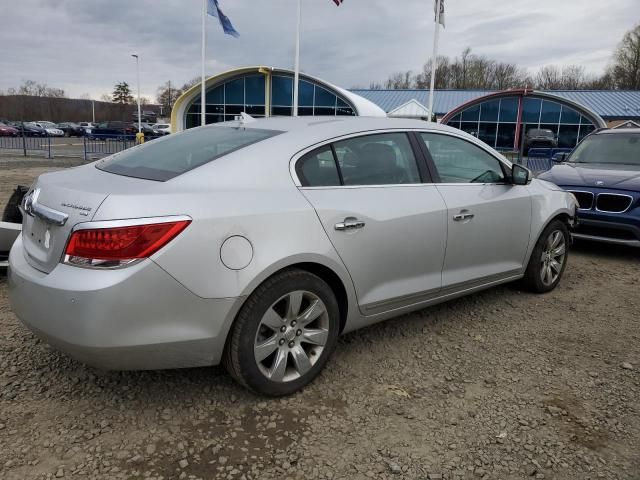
(378, 156)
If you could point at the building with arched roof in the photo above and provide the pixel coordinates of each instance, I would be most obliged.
(501, 119)
(266, 91)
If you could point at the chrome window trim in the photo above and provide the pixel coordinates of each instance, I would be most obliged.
(593, 199)
(294, 160)
(614, 195)
(352, 187)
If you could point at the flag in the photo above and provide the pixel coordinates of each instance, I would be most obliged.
(338, 2)
(435, 9)
(213, 9)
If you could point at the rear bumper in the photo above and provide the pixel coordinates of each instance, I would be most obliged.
(136, 318)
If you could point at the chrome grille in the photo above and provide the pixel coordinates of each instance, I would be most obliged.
(613, 203)
(585, 199)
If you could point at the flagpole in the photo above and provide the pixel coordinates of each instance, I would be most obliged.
(203, 93)
(434, 59)
(296, 76)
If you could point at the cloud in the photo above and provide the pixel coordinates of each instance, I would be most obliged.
(85, 46)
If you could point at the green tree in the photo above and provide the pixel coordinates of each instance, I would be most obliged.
(122, 93)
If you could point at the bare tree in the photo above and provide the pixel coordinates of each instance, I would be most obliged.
(573, 77)
(507, 75)
(191, 83)
(549, 78)
(625, 69)
(167, 94)
(106, 97)
(400, 80)
(423, 79)
(604, 82)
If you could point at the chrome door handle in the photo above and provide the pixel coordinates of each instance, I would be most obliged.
(463, 215)
(350, 223)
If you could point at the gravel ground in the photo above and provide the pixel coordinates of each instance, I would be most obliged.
(499, 385)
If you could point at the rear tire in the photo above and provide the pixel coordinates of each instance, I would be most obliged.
(284, 334)
(548, 259)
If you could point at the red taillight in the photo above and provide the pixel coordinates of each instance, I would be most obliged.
(121, 244)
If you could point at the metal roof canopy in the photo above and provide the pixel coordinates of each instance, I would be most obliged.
(608, 104)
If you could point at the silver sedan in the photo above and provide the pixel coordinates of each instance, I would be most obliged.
(257, 243)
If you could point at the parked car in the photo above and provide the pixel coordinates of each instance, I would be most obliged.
(71, 129)
(8, 131)
(162, 128)
(540, 138)
(257, 244)
(11, 223)
(52, 131)
(111, 130)
(87, 126)
(603, 172)
(147, 116)
(30, 129)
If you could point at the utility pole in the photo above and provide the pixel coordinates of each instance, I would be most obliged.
(135, 55)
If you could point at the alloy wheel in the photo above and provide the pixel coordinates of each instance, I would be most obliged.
(553, 255)
(291, 337)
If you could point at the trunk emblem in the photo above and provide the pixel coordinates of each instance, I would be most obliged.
(84, 211)
(47, 239)
(599, 183)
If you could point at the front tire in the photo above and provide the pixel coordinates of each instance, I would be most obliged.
(549, 258)
(284, 334)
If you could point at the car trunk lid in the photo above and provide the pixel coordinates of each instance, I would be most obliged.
(63, 200)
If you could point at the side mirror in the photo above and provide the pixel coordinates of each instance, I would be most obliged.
(560, 157)
(520, 175)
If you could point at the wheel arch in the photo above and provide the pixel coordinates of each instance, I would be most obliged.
(331, 272)
(564, 215)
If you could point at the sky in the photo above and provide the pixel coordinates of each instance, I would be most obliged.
(85, 46)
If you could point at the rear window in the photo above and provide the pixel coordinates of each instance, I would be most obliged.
(173, 155)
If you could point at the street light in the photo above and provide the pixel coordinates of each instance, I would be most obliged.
(135, 55)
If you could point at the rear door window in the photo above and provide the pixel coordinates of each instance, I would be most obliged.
(173, 155)
(380, 159)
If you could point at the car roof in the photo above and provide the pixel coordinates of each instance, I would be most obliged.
(614, 131)
(314, 127)
(301, 133)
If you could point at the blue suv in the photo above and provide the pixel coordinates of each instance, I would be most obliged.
(603, 172)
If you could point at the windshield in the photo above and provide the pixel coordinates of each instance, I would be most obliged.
(620, 148)
(173, 155)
